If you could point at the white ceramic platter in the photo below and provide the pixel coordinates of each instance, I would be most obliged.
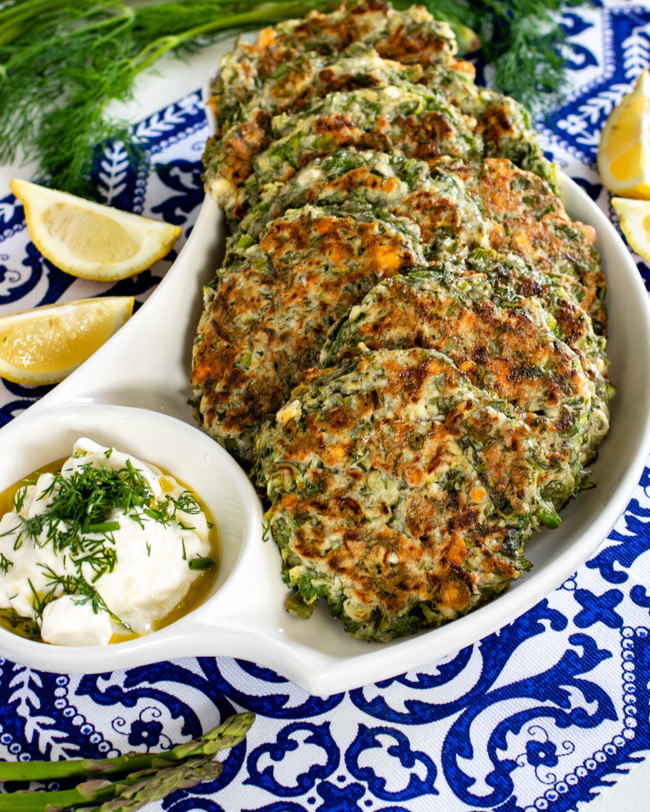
(133, 394)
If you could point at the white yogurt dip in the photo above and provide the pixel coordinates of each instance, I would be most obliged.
(108, 544)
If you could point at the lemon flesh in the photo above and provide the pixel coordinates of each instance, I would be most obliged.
(634, 219)
(89, 240)
(624, 149)
(44, 344)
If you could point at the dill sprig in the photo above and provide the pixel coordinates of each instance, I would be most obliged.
(63, 61)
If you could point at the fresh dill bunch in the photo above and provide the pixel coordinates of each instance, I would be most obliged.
(63, 61)
(58, 70)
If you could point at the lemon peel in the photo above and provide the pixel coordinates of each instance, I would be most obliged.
(90, 240)
(45, 344)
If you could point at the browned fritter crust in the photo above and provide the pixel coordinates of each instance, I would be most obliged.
(441, 208)
(398, 491)
(312, 76)
(506, 346)
(243, 143)
(410, 37)
(502, 342)
(530, 220)
(410, 119)
(267, 319)
(236, 143)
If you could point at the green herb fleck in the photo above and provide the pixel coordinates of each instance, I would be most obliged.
(5, 564)
(19, 498)
(522, 39)
(201, 563)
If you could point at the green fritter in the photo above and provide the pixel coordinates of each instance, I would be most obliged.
(412, 37)
(230, 154)
(448, 218)
(400, 492)
(503, 125)
(530, 220)
(510, 275)
(417, 122)
(294, 85)
(503, 343)
(274, 90)
(372, 113)
(268, 313)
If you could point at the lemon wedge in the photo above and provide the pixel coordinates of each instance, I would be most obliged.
(89, 240)
(634, 219)
(624, 149)
(44, 344)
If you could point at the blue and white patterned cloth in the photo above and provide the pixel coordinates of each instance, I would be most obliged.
(541, 715)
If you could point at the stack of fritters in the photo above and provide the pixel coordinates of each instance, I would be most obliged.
(405, 343)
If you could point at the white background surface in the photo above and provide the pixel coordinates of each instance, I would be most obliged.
(630, 794)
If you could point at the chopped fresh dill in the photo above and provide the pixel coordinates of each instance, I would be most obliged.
(187, 503)
(19, 498)
(158, 515)
(201, 563)
(32, 529)
(79, 588)
(5, 564)
(37, 602)
(10, 532)
(103, 527)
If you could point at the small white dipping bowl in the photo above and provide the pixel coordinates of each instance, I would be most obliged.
(42, 436)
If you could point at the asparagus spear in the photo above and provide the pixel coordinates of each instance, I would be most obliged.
(227, 734)
(140, 778)
(157, 786)
(124, 795)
